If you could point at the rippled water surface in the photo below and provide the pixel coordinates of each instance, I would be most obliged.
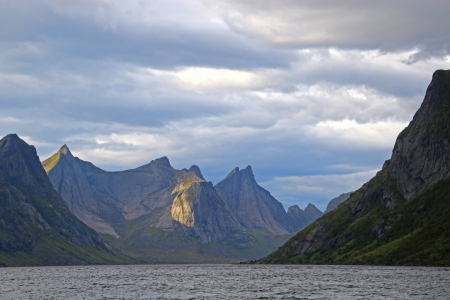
(224, 282)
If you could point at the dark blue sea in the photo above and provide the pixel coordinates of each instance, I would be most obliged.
(225, 282)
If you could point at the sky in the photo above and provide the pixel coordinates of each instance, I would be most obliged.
(312, 94)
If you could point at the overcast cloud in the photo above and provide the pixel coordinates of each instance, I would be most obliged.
(312, 94)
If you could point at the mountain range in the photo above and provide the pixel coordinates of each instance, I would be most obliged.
(156, 213)
(402, 215)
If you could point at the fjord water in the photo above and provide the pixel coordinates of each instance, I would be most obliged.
(225, 282)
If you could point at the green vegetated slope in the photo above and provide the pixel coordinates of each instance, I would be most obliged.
(140, 240)
(36, 226)
(415, 232)
(54, 250)
(401, 216)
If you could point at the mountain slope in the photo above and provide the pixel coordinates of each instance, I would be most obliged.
(401, 216)
(36, 226)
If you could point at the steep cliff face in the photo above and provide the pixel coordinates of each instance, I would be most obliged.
(36, 226)
(199, 208)
(421, 155)
(336, 201)
(401, 216)
(254, 205)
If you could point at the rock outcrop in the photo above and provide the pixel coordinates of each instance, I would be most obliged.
(33, 216)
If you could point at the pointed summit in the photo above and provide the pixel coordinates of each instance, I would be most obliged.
(53, 160)
(197, 171)
(294, 209)
(12, 136)
(64, 150)
(252, 203)
(248, 170)
(164, 161)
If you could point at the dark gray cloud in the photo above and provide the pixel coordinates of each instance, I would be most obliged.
(157, 45)
(385, 25)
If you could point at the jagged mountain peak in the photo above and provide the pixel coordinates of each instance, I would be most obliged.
(65, 150)
(248, 169)
(53, 160)
(164, 161)
(234, 171)
(196, 170)
(17, 155)
(246, 173)
(12, 136)
(311, 206)
(294, 209)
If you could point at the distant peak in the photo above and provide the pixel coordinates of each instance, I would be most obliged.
(164, 161)
(197, 171)
(311, 207)
(64, 150)
(248, 173)
(293, 209)
(249, 169)
(12, 136)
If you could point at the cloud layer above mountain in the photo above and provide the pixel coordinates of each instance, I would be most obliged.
(312, 94)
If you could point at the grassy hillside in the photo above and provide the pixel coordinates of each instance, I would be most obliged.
(56, 250)
(140, 240)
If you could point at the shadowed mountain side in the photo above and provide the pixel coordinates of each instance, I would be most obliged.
(300, 218)
(421, 155)
(36, 226)
(253, 204)
(402, 215)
